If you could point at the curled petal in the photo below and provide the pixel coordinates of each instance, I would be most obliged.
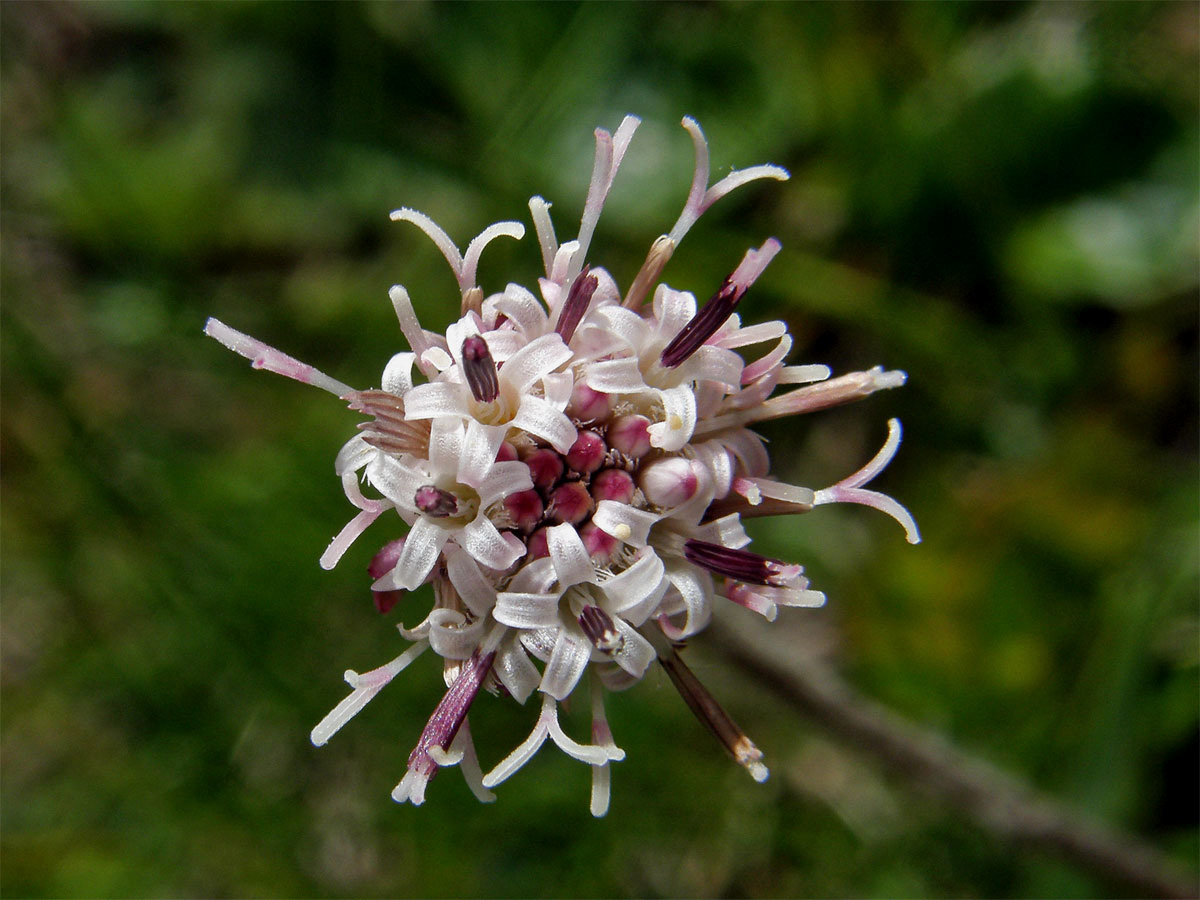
(537, 358)
(570, 557)
(469, 582)
(527, 610)
(470, 263)
(566, 665)
(541, 418)
(365, 686)
(421, 549)
(487, 546)
(624, 522)
(516, 671)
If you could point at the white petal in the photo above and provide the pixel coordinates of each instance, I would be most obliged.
(673, 309)
(630, 587)
(421, 549)
(527, 610)
(635, 653)
(394, 480)
(520, 306)
(397, 374)
(439, 398)
(694, 588)
(624, 522)
(445, 445)
(365, 686)
(470, 262)
(713, 364)
(726, 531)
(679, 418)
(535, 577)
(616, 376)
(627, 325)
(516, 671)
(557, 387)
(355, 454)
(540, 642)
(479, 447)
(567, 662)
(505, 478)
(475, 590)
(488, 547)
(537, 358)
(450, 639)
(571, 561)
(541, 418)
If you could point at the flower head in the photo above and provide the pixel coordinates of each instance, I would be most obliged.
(572, 473)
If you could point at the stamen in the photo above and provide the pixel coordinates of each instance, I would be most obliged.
(390, 431)
(480, 369)
(709, 711)
(576, 304)
(720, 307)
(599, 628)
(741, 565)
(443, 725)
(435, 502)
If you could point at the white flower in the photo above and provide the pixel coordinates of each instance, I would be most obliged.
(573, 473)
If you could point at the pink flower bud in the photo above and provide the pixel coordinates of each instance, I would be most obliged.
(669, 482)
(385, 560)
(600, 545)
(588, 404)
(506, 453)
(385, 600)
(570, 503)
(545, 467)
(613, 484)
(382, 563)
(630, 435)
(525, 509)
(587, 453)
(538, 545)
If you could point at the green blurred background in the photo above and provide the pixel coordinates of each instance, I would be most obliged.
(1000, 199)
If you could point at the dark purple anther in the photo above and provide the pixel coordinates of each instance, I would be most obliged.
(570, 503)
(480, 369)
(587, 453)
(740, 565)
(720, 307)
(435, 502)
(576, 304)
(599, 628)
